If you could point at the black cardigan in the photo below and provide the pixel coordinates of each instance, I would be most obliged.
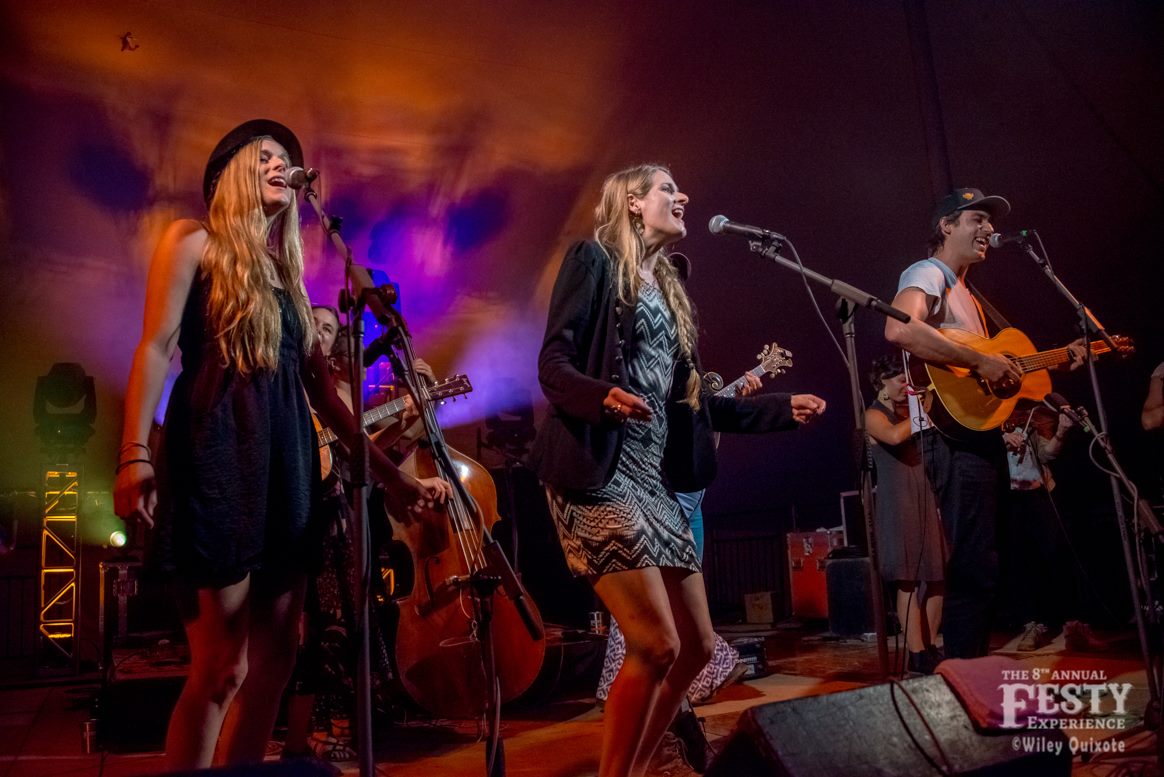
(588, 343)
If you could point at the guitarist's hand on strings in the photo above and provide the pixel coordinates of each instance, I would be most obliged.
(996, 368)
(1076, 354)
(621, 405)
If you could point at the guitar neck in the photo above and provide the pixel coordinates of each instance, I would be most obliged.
(1054, 357)
(327, 436)
(733, 388)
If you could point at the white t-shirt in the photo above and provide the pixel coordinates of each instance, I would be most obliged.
(951, 303)
(951, 306)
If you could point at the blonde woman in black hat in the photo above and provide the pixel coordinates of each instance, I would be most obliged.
(234, 485)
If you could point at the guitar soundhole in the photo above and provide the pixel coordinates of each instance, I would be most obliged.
(1008, 387)
(1005, 389)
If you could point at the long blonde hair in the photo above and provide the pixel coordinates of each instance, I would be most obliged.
(242, 311)
(622, 239)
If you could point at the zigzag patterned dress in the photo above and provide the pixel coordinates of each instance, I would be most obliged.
(634, 520)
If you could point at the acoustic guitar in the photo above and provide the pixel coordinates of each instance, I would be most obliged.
(967, 402)
(773, 360)
(438, 392)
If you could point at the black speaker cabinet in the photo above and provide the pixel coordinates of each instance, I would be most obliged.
(876, 731)
(850, 596)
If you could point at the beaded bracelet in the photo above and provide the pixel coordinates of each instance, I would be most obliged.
(125, 464)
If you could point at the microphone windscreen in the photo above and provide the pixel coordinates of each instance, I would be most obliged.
(715, 226)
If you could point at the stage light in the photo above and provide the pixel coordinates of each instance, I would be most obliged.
(117, 539)
(64, 406)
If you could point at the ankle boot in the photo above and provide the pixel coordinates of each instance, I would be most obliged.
(696, 749)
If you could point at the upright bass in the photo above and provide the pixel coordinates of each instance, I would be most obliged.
(461, 584)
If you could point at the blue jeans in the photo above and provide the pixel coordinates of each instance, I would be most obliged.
(692, 505)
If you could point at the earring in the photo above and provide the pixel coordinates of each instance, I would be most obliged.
(636, 220)
(883, 397)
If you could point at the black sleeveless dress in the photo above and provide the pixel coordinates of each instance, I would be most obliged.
(240, 470)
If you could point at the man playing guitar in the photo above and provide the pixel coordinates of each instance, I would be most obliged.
(968, 473)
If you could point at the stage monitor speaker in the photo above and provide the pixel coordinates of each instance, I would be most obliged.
(876, 731)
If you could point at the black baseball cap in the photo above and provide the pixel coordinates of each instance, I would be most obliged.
(969, 199)
(238, 137)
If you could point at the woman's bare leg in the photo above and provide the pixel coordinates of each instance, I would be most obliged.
(909, 616)
(935, 594)
(217, 636)
(638, 600)
(688, 598)
(274, 637)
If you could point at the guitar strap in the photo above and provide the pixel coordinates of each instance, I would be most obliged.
(992, 313)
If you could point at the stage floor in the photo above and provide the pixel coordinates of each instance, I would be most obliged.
(557, 735)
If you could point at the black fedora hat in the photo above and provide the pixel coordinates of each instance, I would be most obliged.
(233, 141)
(969, 199)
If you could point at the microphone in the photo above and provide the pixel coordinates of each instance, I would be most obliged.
(1059, 404)
(998, 240)
(297, 177)
(722, 224)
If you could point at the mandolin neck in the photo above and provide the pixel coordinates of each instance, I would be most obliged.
(733, 388)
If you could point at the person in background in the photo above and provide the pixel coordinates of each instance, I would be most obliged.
(1152, 416)
(911, 544)
(1033, 541)
(321, 683)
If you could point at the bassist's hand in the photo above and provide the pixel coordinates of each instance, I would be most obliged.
(413, 495)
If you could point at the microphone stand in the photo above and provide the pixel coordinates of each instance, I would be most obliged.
(1138, 578)
(847, 313)
(360, 294)
(851, 297)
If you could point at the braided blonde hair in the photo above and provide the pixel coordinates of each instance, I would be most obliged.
(620, 236)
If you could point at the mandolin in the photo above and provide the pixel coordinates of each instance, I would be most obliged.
(774, 360)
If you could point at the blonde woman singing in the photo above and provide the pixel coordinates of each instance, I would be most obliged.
(233, 491)
(628, 426)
